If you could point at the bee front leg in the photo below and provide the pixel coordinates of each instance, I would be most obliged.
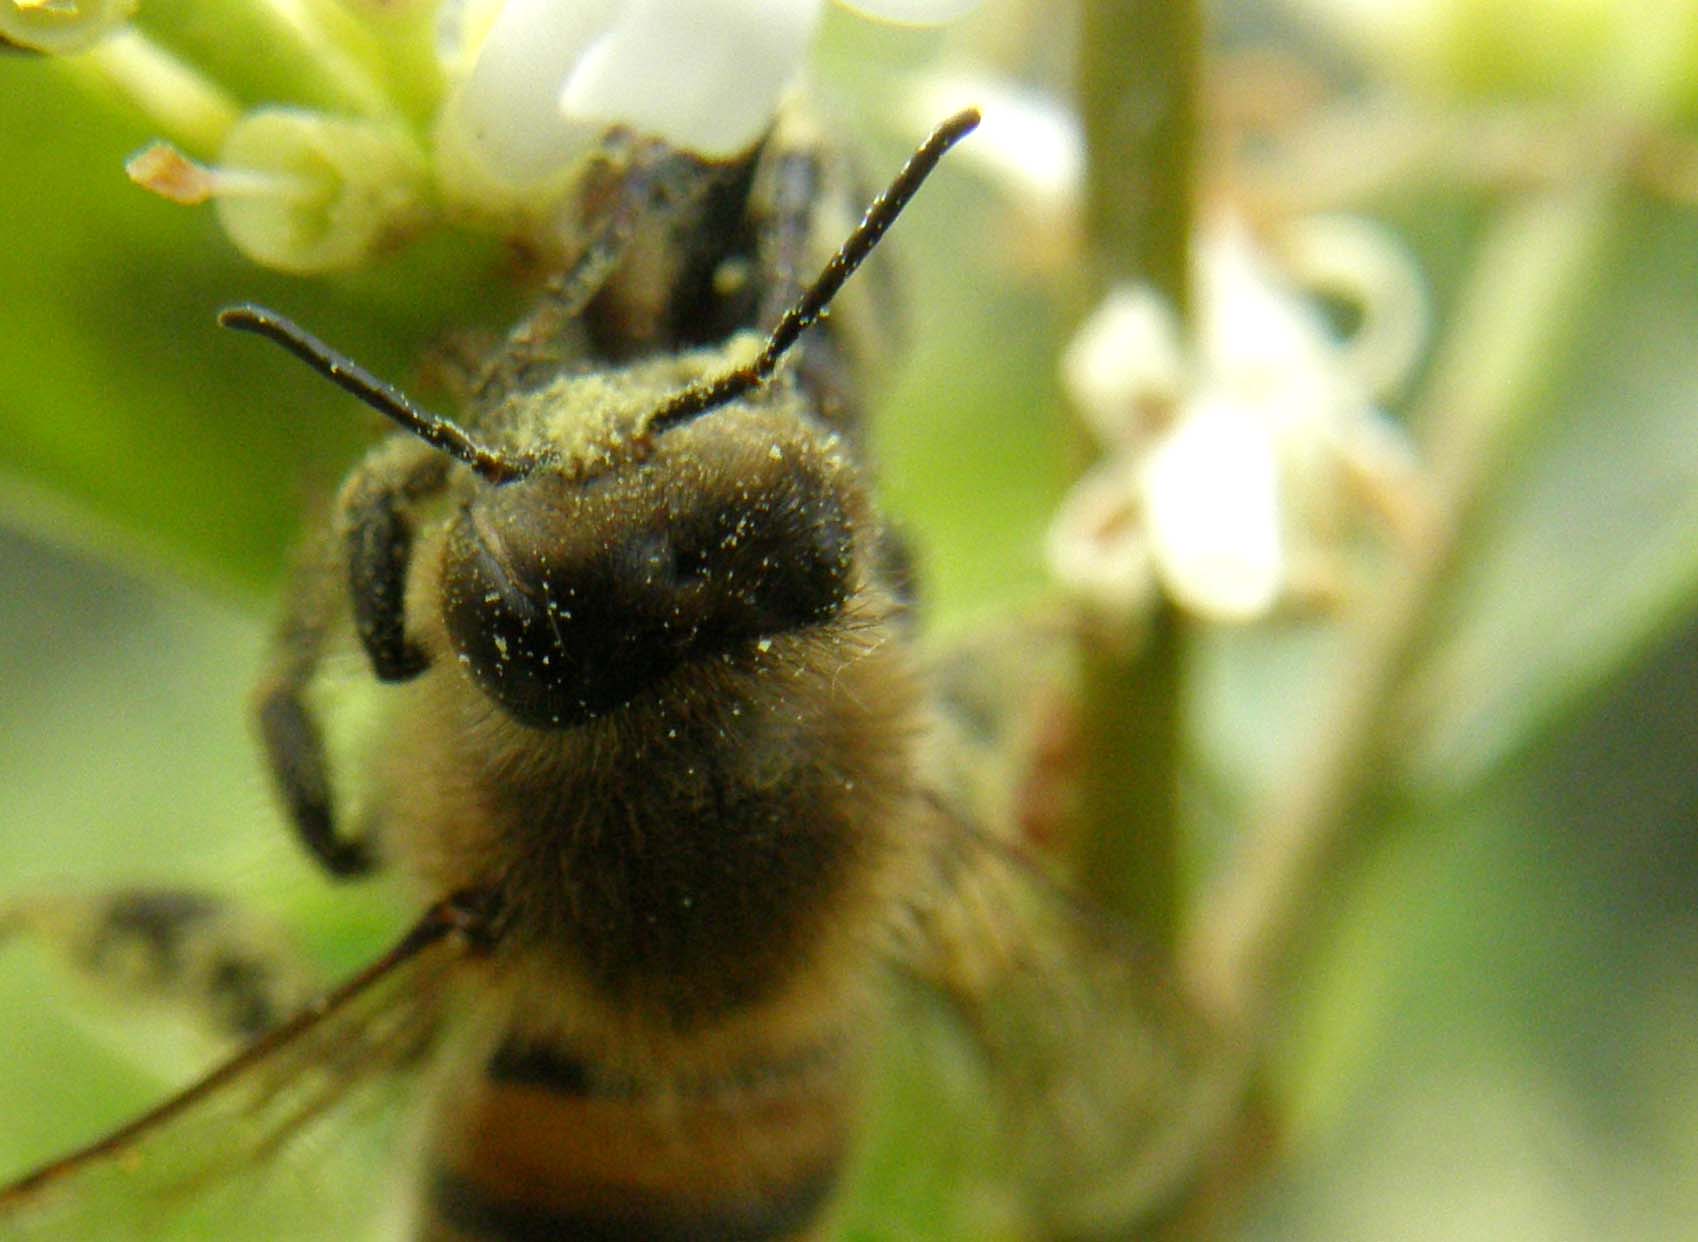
(786, 202)
(231, 973)
(617, 201)
(377, 523)
(371, 554)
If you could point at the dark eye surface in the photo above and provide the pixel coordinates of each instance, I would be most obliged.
(561, 625)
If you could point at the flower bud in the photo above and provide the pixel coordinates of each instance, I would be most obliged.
(61, 27)
(912, 12)
(304, 192)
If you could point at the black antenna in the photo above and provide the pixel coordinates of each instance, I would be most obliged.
(701, 397)
(345, 373)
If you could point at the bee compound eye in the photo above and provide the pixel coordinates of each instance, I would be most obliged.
(558, 640)
(499, 631)
(652, 561)
(559, 631)
(795, 565)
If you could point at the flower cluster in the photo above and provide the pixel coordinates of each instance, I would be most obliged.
(407, 111)
(1237, 467)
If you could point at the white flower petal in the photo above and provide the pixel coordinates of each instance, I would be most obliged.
(1211, 494)
(1257, 334)
(912, 12)
(1384, 471)
(507, 111)
(1124, 367)
(1029, 139)
(1097, 546)
(1365, 263)
(704, 75)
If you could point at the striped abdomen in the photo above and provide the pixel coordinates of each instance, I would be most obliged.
(540, 1145)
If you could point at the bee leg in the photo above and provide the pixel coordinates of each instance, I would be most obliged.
(377, 530)
(795, 206)
(785, 202)
(372, 557)
(533, 347)
(230, 972)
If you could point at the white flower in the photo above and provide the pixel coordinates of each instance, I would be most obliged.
(1237, 468)
(703, 75)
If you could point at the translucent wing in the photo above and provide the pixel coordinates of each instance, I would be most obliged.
(163, 1174)
(1109, 1085)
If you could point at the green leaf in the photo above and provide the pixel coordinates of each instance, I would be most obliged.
(1497, 1039)
(1590, 548)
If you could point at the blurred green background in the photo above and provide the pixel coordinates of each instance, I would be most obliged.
(1497, 1032)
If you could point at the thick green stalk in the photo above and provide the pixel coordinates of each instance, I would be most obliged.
(1140, 72)
(1140, 69)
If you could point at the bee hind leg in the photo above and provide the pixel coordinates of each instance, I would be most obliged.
(230, 972)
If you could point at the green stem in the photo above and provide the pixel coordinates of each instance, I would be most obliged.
(269, 53)
(186, 107)
(1140, 69)
(1525, 294)
(1129, 854)
(403, 33)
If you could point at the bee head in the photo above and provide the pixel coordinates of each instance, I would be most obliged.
(566, 594)
(565, 597)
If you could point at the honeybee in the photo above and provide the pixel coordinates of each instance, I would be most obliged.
(694, 818)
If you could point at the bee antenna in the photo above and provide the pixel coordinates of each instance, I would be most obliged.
(345, 373)
(700, 398)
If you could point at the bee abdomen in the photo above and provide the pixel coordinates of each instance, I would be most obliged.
(542, 1146)
(463, 1212)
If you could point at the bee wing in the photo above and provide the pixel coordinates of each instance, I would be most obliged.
(1107, 1085)
(161, 1174)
